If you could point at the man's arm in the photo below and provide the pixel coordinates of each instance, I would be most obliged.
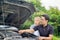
(49, 38)
(46, 38)
(27, 30)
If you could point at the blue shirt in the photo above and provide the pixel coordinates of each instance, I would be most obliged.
(44, 31)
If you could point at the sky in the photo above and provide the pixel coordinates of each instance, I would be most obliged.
(52, 3)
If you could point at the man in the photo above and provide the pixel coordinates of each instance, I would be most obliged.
(45, 30)
(36, 23)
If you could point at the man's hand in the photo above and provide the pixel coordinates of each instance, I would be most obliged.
(46, 38)
(21, 31)
(41, 38)
(27, 30)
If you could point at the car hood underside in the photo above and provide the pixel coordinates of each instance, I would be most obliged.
(14, 12)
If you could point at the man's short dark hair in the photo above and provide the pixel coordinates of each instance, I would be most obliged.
(46, 16)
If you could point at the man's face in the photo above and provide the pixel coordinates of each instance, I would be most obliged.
(43, 20)
(37, 21)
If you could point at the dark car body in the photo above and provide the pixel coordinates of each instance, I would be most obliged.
(13, 13)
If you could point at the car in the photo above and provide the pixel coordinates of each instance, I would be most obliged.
(13, 13)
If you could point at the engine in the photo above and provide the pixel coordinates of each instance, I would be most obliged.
(11, 33)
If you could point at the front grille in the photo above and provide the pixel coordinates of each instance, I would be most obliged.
(18, 38)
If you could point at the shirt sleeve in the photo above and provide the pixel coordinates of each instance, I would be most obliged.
(32, 26)
(51, 30)
(35, 28)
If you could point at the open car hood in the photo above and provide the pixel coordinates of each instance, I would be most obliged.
(15, 12)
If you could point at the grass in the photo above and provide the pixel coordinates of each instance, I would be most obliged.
(59, 38)
(55, 38)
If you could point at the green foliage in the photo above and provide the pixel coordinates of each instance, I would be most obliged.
(27, 24)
